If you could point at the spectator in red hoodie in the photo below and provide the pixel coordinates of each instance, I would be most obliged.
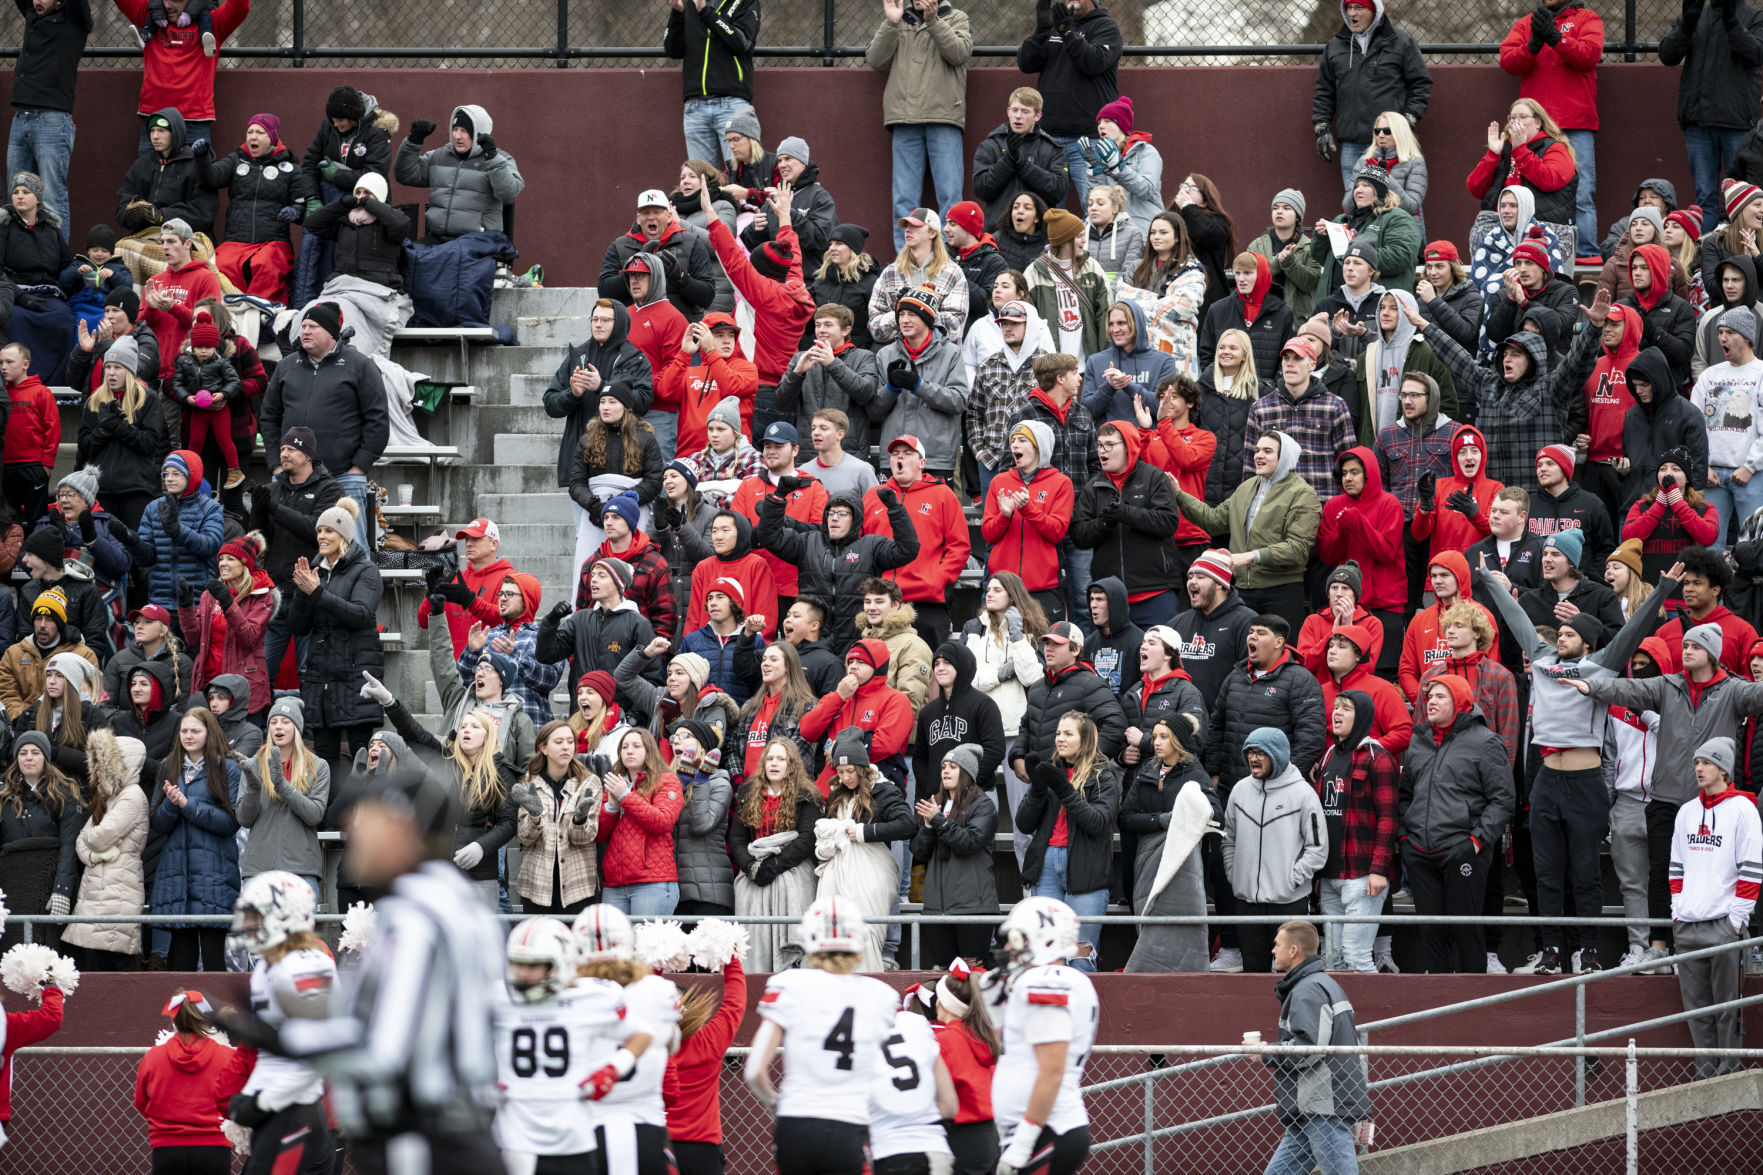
(169, 302)
(1348, 666)
(692, 1087)
(1554, 53)
(936, 514)
(471, 591)
(1176, 444)
(1607, 401)
(33, 435)
(178, 63)
(1028, 511)
(1465, 498)
(863, 701)
(182, 1087)
(27, 1028)
(1469, 642)
(769, 277)
(1363, 523)
(657, 330)
(1345, 584)
(733, 556)
(707, 366)
(1423, 644)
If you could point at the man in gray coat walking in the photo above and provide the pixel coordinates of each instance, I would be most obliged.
(1319, 1096)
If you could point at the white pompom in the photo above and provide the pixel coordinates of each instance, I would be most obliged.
(663, 946)
(4, 912)
(25, 966)
(238, 1136)
(715, 941)
(358, 922)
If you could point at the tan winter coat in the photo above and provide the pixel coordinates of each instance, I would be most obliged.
(908, 656)
(110, 849)
(926, 62)
(555, 841)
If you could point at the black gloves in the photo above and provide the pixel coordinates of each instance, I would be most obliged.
(421, 129)
(1109, 515)
(88, 529)
(557, 613)
(487, 145)
(437, 605)
(456, 593)
(1326, 143)
(168, 518)
(432, 577)
(886, 496)
(1425, 486)
(1049, 776)
(1464, 503)
(349, 200)
(789, 485)
(247, 1111)
(1061, 18)
(186, 594)
(218, 589)
(1013, 143)
(199, 147)
(902, 376)
(1043, 14)
(1542, 26)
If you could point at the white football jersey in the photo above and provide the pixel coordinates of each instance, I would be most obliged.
(903, 1118)
(834, 1027)
(544, 1052)
(1045, 1004)
(305, 975)
(655, 1004)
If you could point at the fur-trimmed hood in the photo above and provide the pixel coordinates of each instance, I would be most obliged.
(113, 762)
(892, 625)
(45, 214)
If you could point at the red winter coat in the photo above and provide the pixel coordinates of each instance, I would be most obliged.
(182, 1088)
(245, 622)
(33, 430)
(1563, 77)
(657, 330)
(27, 1028)
(1448, 529)
(1027, 541)
(1187, 454)
(781, 310)
(1391, 724)
(805, 505)
(1368, 529)
(1549, 172)
(484, 585)
(637, 840)
(692, 1087)
(752, 572)
(1607, 397)
(693, 390)
(651, 584)
(876, 707)
(942, 537)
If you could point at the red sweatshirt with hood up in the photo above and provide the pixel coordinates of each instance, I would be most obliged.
(1451, 530)
(1368, 530)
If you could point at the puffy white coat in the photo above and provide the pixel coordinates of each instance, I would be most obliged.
(110, 849)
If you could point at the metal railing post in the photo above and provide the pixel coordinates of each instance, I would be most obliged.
(1150, 1126)
(829, 37)
(1579, 1039)
(1631, 1111)
(914, 928)
(298, 49)
(1628, 14)
(562, 34)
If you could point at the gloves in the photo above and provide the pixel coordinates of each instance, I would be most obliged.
(902, 377)
(168, 518)
(1061, 18)
(1012, 144)
(218, 589)
(199, 147)
(59, 905)
(1102, 154)
(556, 614)
(526, 801)
(789, 485)
(1542, 26)
(1013, 624)
(328, 170)
(313, 204)
(1007, 671)
(278, 775)
(186, 594)
(361, 761)
(1326, 143)
(468, 856)
(88, 529)
(1425, 486)
(1046, 775)
(600, 1082)
(421, 129)
(373, 688)
(584, 809)
(1016, 1156)
(1109, 515)
(456, 593)
(1163, 819)
(488, 146)
(245, 1109)
(886, 496)
(1463, 502)
(1044, 14)
(432, 577)
(437, 604)
(288, 214)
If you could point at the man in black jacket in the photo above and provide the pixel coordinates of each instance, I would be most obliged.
(1269, 689)
(715, 44)
(1019, 157)
(956, 713)
(688, 263)
(802, 626)
(813, 212)
(1069, 684)
(1075, 47)
(1566, 590)
(43, 80)
(833, 557)
(1560, 504)
(286, 513)
(1368, 66)
(1659, 421)
(1127, 515)
(1214, 630)
(1720, 47)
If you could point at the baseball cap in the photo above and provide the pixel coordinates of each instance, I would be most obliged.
(480, 528)
(639, 263)
(150, 612)
(1065, 631)
(907, 438)
(1013, 309)
(780, 432)
(922, 218)
(1303, 345)
(652, 198)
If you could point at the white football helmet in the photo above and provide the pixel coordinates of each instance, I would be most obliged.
(1037, 931)
(832, 924)
(603, 935)
(546, 942)
(271, 908)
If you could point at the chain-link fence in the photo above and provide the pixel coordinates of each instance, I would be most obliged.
(541, 33)
(73, 1112)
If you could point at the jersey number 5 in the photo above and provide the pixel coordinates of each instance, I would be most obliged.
(841, 1039)
(526, 1052)
(910, 1081)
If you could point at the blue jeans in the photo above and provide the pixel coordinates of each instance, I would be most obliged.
(1080, 171)
(1077, 581)
(706, 120)
(276, 638)
(1324, 1145)
(665, 422)
(1159, 609)
(1710, 149)
(986, 474)
(918, 145)
(1585, 214)
(42, 141)
(646, 899)
(1086, 905)
(1349, 944)
(1734, 503)
(355, 486)
(1351, 155)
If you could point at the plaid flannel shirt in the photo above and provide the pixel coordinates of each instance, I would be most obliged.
(1368, 817)
(1495, 690)
(1403, 455)
(1320, 423)
(534, 680)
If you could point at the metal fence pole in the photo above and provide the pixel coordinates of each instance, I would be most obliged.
(1579, 1039)
(1150, 1127)
(562, 34)
(1628, 13)
(830, 36)
(1631, 1105)
(299, 38)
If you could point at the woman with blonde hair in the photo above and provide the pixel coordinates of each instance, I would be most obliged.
(597, 720)
(109, 847)
(846, 277)
(1394, 148)
(1622, 572)
(1531, 151)
(1227, 393)
(640, 802)
(1005, 640)
(557, 807)
(922, 261)
(1115, 241)
(123, 432)
(282, 800)
(772, 844)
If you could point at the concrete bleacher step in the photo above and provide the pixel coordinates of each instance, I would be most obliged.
(528, 390)
(510, 418)
(525, 449)
(513, 479)
(544, 509)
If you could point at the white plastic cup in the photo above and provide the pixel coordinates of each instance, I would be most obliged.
(406, 494)
(1251, 1038)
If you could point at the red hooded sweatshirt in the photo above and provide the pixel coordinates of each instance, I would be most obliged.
(781, 309)
(746, 567)
(33, 430)
(692, 1086)
(1319, 626)
(1658, 275)
(1368, 530)
(1027, 540)
(1391, 724)
(1424, 642)
(483, 586)
(1258, 292)
(186, 286)
(943, 542)
(1185, 454)
(693, 389)
(1450, 530)
(27, 1028)
(182, 1088)
(876, 707)
(1607, 397)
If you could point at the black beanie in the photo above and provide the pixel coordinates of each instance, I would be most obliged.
(46, 544)
(462, 120)
(128, 300)
(101, 236)
(345, 102)
(1348, 573)
(621, 390)
(772, 259)
(326, 315)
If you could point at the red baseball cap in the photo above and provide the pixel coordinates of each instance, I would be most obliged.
(1441, 251)
(480, 528)
(150, 612)
(907, 438)
(1303, 345)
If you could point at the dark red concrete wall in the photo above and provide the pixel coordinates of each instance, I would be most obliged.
(588, 140)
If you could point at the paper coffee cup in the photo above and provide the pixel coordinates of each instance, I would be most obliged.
(1251, 1038)
(406, 494)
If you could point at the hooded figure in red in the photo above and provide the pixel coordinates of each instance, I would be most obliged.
(1658, 263)
(782, 305)
(1366, 526)
(692, 382)
(1424, 642)
(1391, 724)
(1607, 397)
(657, 326)
(1454, 514)
(1261, 314)
(874, 707)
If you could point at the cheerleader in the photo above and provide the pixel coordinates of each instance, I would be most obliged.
(693, 1086)
(968, 1041)
(830, 1026)
(293, 978)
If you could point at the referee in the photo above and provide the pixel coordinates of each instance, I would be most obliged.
(408, 1051)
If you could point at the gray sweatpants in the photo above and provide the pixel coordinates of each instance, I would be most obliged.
(1628, 854)
(1713, 980)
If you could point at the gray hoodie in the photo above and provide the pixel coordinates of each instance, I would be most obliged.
(1275, 840)
(932, 412)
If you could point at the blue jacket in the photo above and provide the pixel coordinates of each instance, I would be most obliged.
(201, 531)
(199, 864)
(721, 656)
(1146, 364)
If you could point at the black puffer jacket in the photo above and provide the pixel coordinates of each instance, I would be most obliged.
(1076, 688)
(257, 189)
(1668, 422)
(650, 461)
(128, 455)
(1037, 164)
(1287, 698)
(1720, 51)
(287, 515)
(340, 398)
(366, 148)
(833, 569)
(1227, 419)
(368, 251)
(616, 359)
(34, 818)
(1353, 88)
(1078, 69)
(34, 256)
(340, 618)
(813, 215)
(981, 267)
(218, 377)
(85, 369)
(1457, 311)
(1089, 823)
(1173, 696)
(170, 186)
(1459, 788)
(968, 716)
(1131, 529)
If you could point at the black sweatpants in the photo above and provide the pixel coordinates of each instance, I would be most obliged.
(975, 1145)
(940, 944)
(1569, 818)
(1661, 819)
(1058, 1154)
(1224, 899)
(297, 1130)
(1287, 600)
(1257, 939)
(197, 948)
(1450, 882)
(819, 1146)
(931, 621)
(470, 1153)
(192, 1160)
(702, 1158)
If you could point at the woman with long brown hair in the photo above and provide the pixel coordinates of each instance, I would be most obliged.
(641, 801)
(619, 451)
(109, 846)
(1004, 639)
(970, 1046)
(1671, 516)
(774, 711)
(1530, 150)
(773, 849)
(557, 808)
(1077, 793)
(707, 1023)
(198, 869)
(1210, 228)
(40, 816)
(67, 713)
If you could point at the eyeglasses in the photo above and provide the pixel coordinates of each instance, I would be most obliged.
(1384, 130)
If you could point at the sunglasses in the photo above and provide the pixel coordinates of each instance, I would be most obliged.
(1384, 130)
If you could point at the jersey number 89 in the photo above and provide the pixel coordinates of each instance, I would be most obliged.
(526, 1052)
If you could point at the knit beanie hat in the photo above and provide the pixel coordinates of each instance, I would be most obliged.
(46, 543)
(1062, 227)
(854, 236)
(502, 664)
(922, 301)
(76, 669)
(1689, 218)
(600, 682)
(83, 482)
(1317, 327)
(247, 549)
(1735, 194)
(1708, 636)
(1590, 629)
(1561, 455)
(1215, 563)
(621, 390)
(340, 519)
(375, 183)
(290, 706)
(746, 124)
(701, 731)
(685, 468)
(1349, 574)
(1535, 249)
(696, 668)
(731, 587)
(795, 147)
(205, 333)
(1719, 751)
(272, 126)
(772, 259)
(625, 506)
(1293, 199)
(1649, 213)
(52, 602)
(1569, 542)
(965, 756)
(102, 236)
(1119, 112)
(32, 738)
(727, 411)
(1377, 177)
(328, 316)
(1741, 319)
(345, 102)
(850, 748)
(128, 300)
(618, 569)
(124, 351)
(1629, 555)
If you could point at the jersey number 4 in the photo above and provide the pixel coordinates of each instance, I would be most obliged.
(841, 1039)
(527, 1052)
